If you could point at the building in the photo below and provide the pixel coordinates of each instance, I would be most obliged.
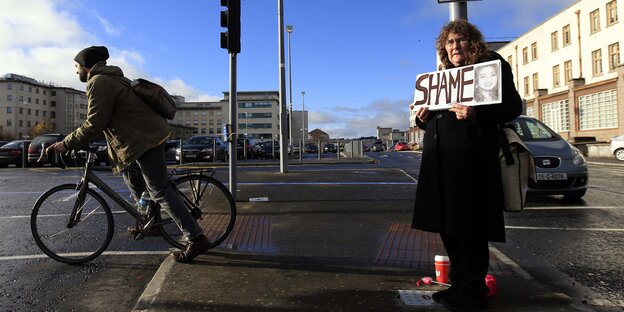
(26, 103)
(390, 136)
(568, 70)
(300, 126)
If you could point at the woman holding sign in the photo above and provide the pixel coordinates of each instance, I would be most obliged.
(459, 192)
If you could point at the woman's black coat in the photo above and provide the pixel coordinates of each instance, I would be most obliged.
(459, 188)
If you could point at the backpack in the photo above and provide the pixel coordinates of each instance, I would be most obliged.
(153, 94)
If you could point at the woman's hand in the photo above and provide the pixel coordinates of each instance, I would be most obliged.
(422, 113)
(463, 112)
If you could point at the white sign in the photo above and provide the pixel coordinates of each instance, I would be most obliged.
(477, 84)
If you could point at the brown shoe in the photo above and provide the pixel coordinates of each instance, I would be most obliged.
(192, 250)
(137, 229)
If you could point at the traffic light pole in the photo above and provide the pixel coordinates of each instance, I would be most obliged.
(234, 138)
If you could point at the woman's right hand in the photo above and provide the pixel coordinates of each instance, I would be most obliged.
(422, 113)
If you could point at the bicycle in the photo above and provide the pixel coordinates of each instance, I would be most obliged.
(73, 223)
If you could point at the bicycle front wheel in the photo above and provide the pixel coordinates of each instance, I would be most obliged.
(210, 202)
(71, 242)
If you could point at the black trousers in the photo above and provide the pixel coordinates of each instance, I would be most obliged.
(470, 260)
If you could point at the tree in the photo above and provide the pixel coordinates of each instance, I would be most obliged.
(46, 126)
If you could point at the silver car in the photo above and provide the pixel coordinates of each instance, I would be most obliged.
(617, 147)
(561, 168)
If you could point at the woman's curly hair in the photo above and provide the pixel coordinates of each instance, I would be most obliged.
(478, 50)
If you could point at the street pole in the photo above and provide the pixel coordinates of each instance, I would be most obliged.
(282, 96)
(303, 127)
(289, 29)
(458, 11)
(232, 145)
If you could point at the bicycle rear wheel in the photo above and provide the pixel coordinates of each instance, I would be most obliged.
(210, 202)
(83, 241)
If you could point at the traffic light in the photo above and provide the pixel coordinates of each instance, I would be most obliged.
(230, 19)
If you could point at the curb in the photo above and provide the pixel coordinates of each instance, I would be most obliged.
(151, 292)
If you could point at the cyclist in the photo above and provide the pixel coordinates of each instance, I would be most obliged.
(135, 136)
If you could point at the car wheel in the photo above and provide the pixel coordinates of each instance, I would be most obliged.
(619, 154)
(575, 194)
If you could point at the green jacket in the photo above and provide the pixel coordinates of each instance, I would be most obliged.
(130, 126)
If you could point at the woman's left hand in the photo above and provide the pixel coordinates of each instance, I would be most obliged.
(463, 112)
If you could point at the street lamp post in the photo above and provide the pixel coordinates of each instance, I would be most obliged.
(289, 29)
(303, 127)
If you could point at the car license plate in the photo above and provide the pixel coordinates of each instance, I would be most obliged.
(191, 156)
(552, 176)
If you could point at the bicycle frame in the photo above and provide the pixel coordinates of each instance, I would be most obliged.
(83, 185)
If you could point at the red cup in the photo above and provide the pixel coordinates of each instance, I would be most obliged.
(442, 268)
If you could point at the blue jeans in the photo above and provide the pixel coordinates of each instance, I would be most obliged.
(150, 172)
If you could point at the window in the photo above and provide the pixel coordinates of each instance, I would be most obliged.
(567, 39)
(52, 114)
(52, 103)
(9, 110)
(614, 56)
(509, 60)
(567, 67)
(598, 110)
(554, 41)
(535, 82)
(597, 62)
(9, 123)
(526, 86)
(556, 75)
(594, 21)
(10, 86)
(533, 51)
(525, 55)
(556, 115)
(612, 17)
(9, 97)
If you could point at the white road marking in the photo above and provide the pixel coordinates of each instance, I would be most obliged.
(515, 227)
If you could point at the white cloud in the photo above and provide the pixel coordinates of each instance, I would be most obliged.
(109, 28)
(27, 47)
(350, 123)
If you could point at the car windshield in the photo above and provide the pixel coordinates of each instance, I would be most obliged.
(200, 140)
(531, 130)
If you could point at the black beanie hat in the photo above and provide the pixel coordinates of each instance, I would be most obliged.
(91, 55)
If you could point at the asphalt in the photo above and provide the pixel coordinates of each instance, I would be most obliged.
(324, 255)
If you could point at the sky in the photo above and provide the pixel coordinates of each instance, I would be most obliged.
(356, 60)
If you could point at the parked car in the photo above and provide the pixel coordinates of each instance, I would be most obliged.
(12, 153)
(34, 149)
(401, 146)
(248, 150)
(265, 149)
(101, 152)
(294, 148)
(378, 146)
(561, 168)
(329, 148)
(171, 147)
(311, 148)
(200, 148)
(617, 147)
